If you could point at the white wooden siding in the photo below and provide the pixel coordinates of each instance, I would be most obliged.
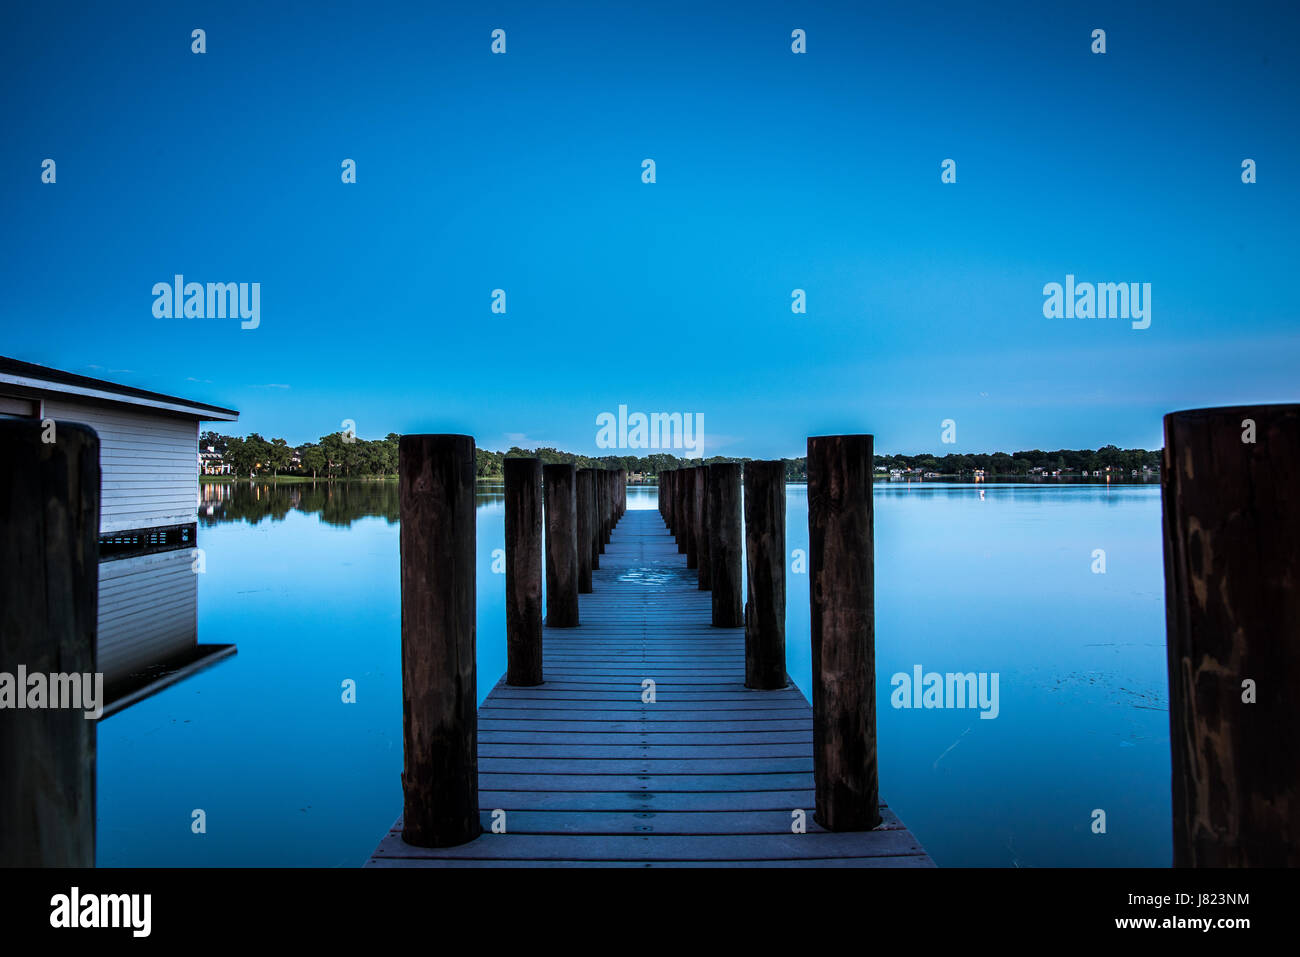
(147, 611)
(148, 461)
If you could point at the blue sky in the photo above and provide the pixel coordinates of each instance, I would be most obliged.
(775, 171)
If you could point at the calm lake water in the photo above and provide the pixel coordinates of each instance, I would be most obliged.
(969, 578)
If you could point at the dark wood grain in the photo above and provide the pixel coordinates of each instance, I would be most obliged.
(561, 495)
(765, 582)
(523, 521)
(700, 517)
(841, 569)
(439, 691)
(588, 528)
(726, 545)
(49, 587)
(1232, 593)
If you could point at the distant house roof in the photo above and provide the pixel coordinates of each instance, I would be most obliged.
(28, 379)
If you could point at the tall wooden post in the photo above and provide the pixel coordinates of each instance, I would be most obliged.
(1232, 610)
(683, 513)
(765, 562)
(666, 496)
(602, 508)
(586, 504)
(561, 494)
(610, 516)
(622, 492)
(725, 544)
(523, 571)
(49, 590)
(439, 691)
(842, 601)
(700, 518)
(694, 492)
(593, 544)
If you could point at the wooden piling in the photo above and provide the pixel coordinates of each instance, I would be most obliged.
(586, 504)
(701, 519)
(602, 509)
(439, 692)
(725, 544)
(765, 563)
(842, 604)
(49, 588)
(593, 544)
(694, 505)
(523, 571)
(666, 495)
(683, 511)
(560, 489)
(1232, 611)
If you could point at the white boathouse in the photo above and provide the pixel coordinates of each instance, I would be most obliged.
(149, 492)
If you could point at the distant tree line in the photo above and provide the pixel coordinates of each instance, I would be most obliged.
(334, 456)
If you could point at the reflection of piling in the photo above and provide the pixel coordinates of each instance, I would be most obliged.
(439, 700)
(765, 563)
(586, 522)
(523, 571)
(49, 591)
(701, 520)
(725, 544)
(842, 603)
(1232, 613)
(560, 482)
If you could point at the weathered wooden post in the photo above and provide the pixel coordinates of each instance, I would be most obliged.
(523, 571)
(561, 495)
(49, 590)
(622, 492)
(593, 544)
(439, 691)
(765, 562)
(602, 509)
(725, 544)
(1232, 610)
(666, 494)
(694, 492)
(684, 513)
(586, 504)
(701, 521)
(841, 567)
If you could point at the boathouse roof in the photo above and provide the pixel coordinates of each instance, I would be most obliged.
(18, 378)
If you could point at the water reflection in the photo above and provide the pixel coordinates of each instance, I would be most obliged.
(334, 503)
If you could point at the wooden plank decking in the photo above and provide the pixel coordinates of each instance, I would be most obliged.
(707, 775)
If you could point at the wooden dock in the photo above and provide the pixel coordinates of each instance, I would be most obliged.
(708, 774)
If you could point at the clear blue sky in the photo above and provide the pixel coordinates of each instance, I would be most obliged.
(775, 171)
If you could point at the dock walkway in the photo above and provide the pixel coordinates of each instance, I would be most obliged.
(709, 774)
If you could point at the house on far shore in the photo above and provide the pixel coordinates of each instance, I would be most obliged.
(212, 463)
(148, 520)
